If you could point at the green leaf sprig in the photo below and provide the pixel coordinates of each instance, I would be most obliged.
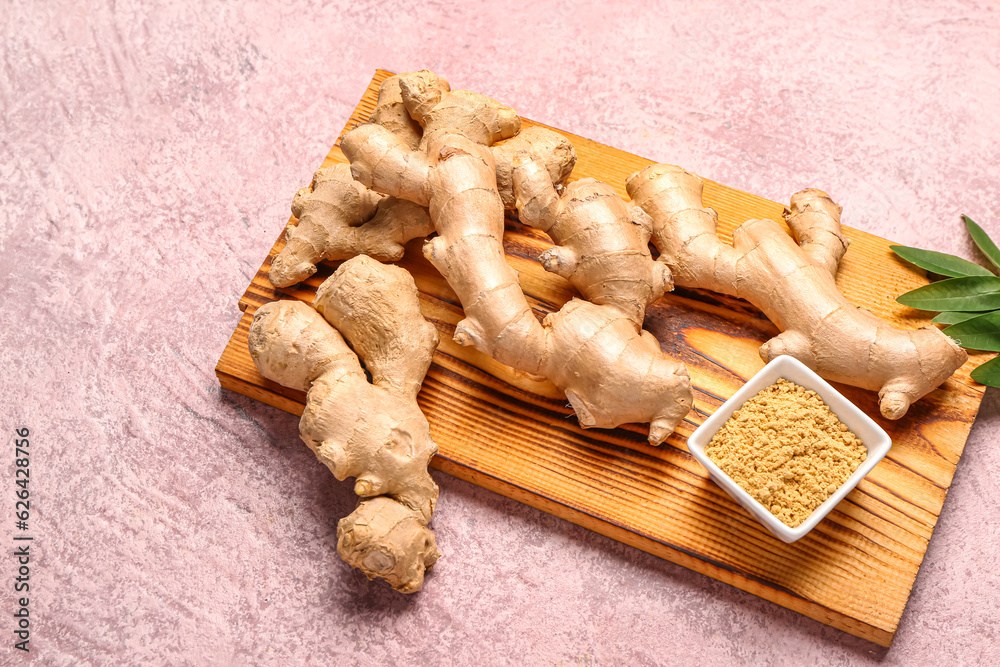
(968, 299)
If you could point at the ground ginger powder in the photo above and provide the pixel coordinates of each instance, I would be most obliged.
(788, 450)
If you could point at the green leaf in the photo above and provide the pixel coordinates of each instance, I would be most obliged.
(983, 240)
(988, 373)
(940, 263)
(963, 294)
(979, 333)
(954, 317)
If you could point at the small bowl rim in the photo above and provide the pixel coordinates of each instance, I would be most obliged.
(878, 442)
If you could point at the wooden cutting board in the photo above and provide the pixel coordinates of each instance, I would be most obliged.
(519, 438)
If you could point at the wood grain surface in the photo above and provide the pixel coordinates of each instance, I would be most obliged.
(519, 437)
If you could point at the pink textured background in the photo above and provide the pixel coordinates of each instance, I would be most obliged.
(149, 155)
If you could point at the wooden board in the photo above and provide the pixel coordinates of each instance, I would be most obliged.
(520, 439)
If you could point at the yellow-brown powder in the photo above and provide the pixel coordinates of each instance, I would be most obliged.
(788, 450)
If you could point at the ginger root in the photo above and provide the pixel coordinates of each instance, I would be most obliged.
(391, 113)
(372, 431)
(602, 248)
(338, 219)
(793, 284)
(611, 372)
(550, 148)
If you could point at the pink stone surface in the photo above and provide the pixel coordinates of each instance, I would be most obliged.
(149, 155)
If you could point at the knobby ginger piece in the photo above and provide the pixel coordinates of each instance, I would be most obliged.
(794, 285)
(372, 431)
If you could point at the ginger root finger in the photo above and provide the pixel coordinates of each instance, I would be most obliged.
(375, 306)
(387, 539)
(814, 219)
(436, 107)
(549, 148)
(339, 218)
(391, 113)
(613, 372)
(600, 248)
(684, 231)
(794, 286)
(375, 433)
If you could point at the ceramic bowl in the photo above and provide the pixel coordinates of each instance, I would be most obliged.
(871, 434)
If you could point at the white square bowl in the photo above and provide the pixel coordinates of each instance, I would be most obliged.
(871, 434)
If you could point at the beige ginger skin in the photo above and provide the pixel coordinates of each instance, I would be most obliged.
(609, 369)
(338, 218)
(372, 431)
(602, 248)
(794, 285)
